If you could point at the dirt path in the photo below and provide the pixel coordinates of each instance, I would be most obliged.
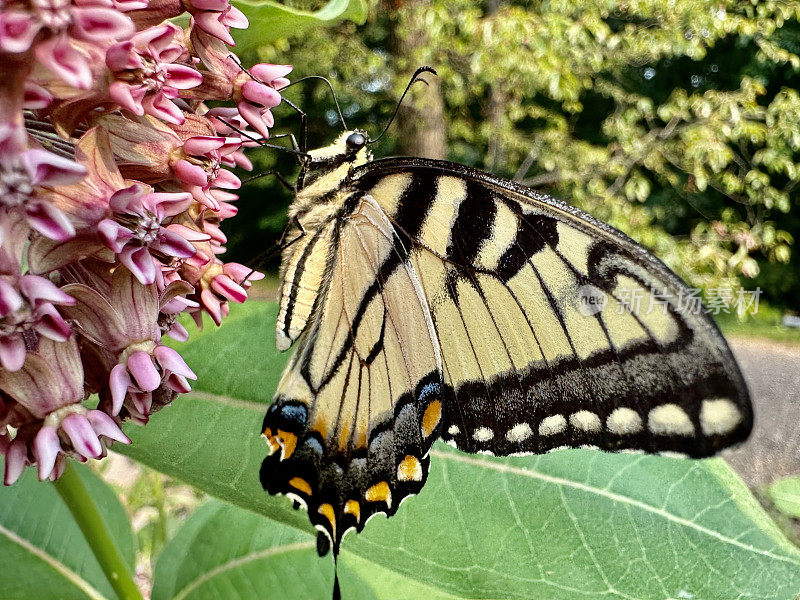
(773, 375)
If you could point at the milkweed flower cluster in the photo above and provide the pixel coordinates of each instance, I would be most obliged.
(115, 176)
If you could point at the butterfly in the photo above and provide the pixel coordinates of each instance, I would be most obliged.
(428, 300)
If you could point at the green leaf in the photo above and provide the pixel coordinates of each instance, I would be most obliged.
(246, 556)
(785, 493)
(43, 554)
(270, 21)
(568, 525)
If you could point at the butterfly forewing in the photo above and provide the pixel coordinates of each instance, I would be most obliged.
(556, 330)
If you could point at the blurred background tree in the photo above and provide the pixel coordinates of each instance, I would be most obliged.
(677, 121)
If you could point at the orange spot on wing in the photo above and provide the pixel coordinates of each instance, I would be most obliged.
(326, 510)
(272, 444)
(379, 492)
(409, 469)
(431, 418)
(288, 442)
(353, 508)
(300, 484)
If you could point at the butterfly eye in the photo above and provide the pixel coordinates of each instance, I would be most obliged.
(355, 141)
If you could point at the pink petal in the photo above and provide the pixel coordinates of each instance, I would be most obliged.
(46, 447)
(36, 97)
(122, 56)
(268, 117)
(128, 96)
(173, 244)
(49, 221)
(105, 425)
(189, 173)
(211, 23)
(114, 235)
(182, 77)
(178, 332)
(258, 93)
(46, 168)
(215, 232)
(268, 73)
(226, 179)
(203, 144)
(215, 5)
(141, 367)
(129, 5)
(40, 290)
(235, 18)
(119, 380)
(170, 360)
(240, 273)
(17, 31)
(225, 286)
(140, 263)
(16, 459)
(82, 435)
(65, 62)
(129, 199)
(162, 107)
(227, 210)
(170, 204)
(100, 24)
(58, 470)
(51, 324)
(179, 384)
(12, 352)
(10, 299)
(242, 161)
(212, 305)
(252, 114)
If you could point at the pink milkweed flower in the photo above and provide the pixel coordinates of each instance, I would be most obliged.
(125, 331)
(136, 229)
(49, 386)
(61, 26)
(149, 74)
(216, 283)
(226, 79)
(23, 174)
(27, 308)
(216, 17)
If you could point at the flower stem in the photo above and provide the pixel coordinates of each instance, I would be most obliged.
(85, 512)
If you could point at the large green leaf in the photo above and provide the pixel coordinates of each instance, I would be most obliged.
(43, 554)
(270, 21)
(571, 524)
(224, 551)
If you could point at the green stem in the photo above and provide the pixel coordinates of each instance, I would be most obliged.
(85, 512)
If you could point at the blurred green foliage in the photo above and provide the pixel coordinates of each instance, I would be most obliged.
(676, 121)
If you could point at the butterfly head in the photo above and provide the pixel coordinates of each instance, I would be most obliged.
(350, 147)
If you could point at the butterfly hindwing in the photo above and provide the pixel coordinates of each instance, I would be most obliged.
(362, 399)
(513, 280)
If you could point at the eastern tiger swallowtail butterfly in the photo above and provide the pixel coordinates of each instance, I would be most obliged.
(430, 300)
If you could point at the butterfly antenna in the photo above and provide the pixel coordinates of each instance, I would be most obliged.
(330, 87)
(260, 141)
(414, 78)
